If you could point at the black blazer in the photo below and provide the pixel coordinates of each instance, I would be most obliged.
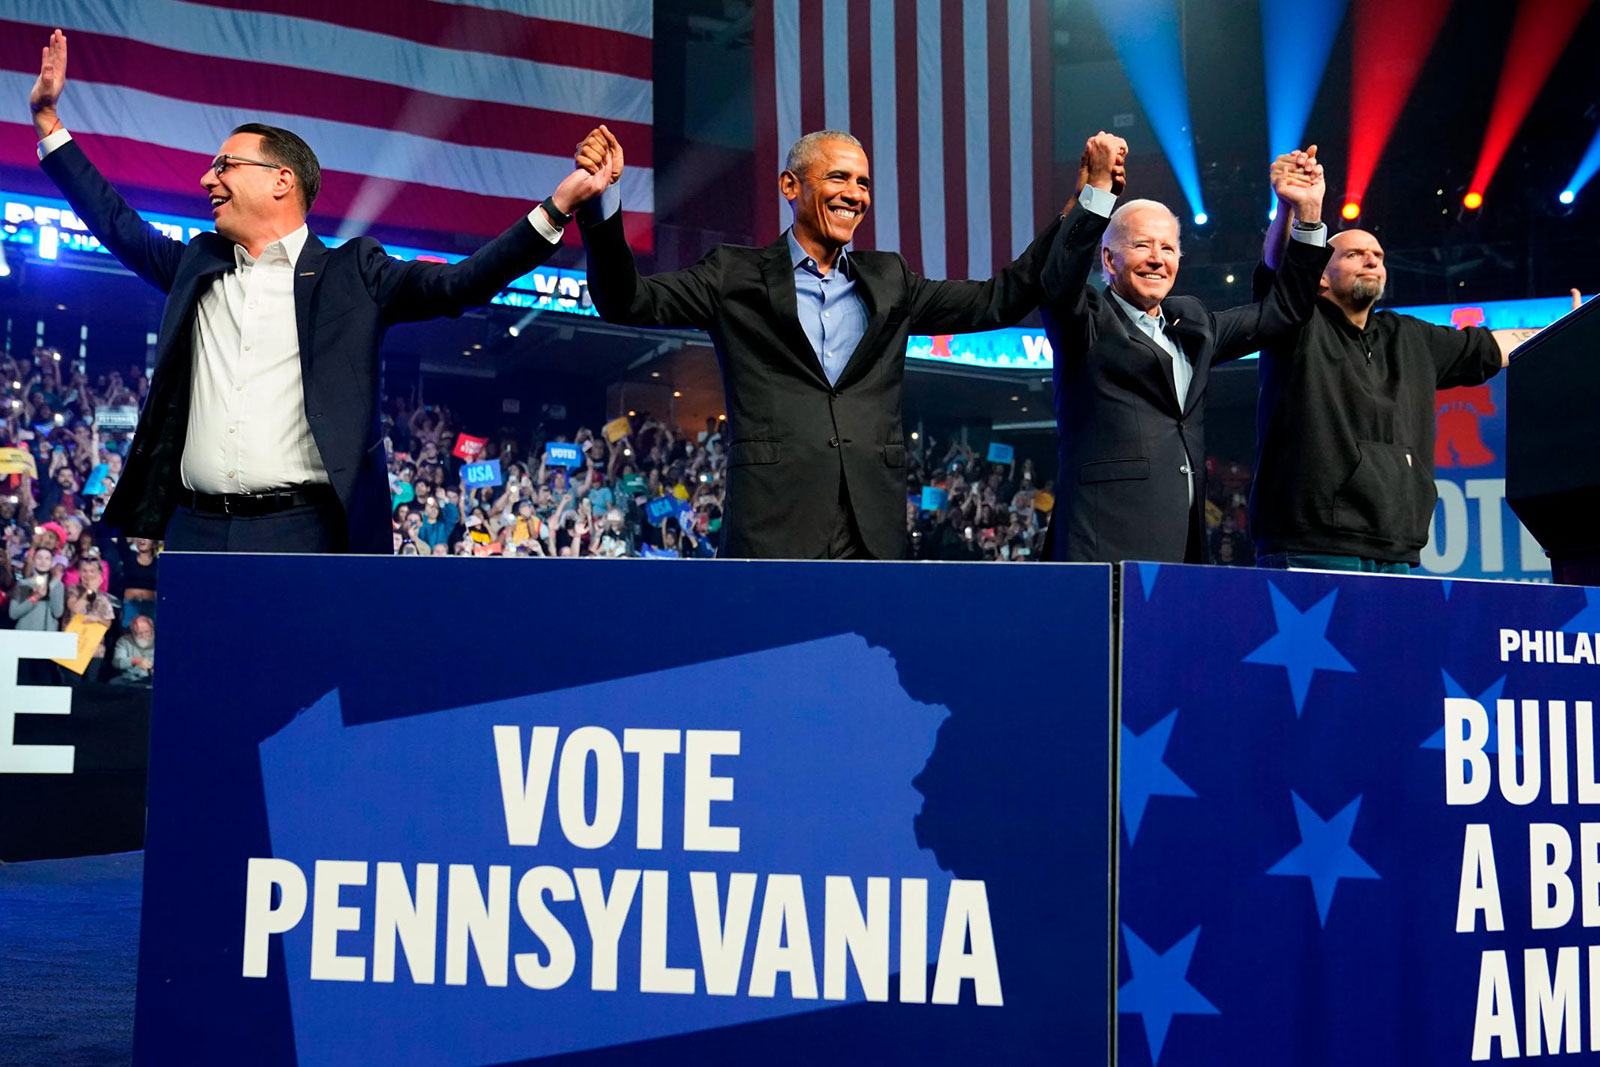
(1121, 490)
(791, 433)
(345, 299)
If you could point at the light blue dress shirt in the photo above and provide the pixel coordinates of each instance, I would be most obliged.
(831, 312)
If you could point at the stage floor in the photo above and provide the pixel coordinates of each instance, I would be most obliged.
(69, 946)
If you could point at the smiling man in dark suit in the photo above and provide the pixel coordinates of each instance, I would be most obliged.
(260, 433)
(1132, 363)
(812, 339)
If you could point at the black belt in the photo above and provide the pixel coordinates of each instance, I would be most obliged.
(250, 505)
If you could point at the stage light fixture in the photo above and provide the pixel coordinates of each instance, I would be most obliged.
(1567, 196)
(1390, 44)
(1472, 201)
(1146, 38)
(1351, 211)
(1586, 169)
(1201, 218)
(1538, 37)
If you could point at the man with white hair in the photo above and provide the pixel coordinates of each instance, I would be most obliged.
(1132, 363)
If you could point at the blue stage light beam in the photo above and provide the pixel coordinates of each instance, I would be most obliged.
(1145, 35)
(1296, 39)
(1587, 167)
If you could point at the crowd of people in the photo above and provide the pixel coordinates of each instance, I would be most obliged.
(639, 487)
(650, 490)
(59, 460)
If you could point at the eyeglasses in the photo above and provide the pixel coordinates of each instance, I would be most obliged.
(224, 161)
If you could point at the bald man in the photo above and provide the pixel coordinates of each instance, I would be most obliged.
(1345, 417)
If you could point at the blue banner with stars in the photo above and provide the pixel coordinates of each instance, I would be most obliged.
(1353, 819)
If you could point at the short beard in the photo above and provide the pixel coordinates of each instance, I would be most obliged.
(1365, 293)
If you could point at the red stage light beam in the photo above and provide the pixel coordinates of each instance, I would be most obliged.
(1390, 44)
(1541, 32)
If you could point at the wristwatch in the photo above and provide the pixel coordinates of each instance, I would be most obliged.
(554, 214)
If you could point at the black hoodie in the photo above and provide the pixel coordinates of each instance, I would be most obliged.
(1345, 432)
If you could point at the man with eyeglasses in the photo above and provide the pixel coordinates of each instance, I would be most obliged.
(260, 432)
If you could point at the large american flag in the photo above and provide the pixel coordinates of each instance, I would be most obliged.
(442, 115)
(951, 99)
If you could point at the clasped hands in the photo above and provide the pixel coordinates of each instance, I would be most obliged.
(1298, 181)
(599, 164)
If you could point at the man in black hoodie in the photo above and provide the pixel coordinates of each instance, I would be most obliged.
(1345, 417)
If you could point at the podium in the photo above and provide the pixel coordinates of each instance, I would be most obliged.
(1162, 816)
(1552, 412)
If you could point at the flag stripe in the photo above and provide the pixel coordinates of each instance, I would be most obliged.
(254, 88)
(301, 44)
(1043, 131)
(766, 127)
(129, 163)
(859, 16)
(952, 83)
(813, 104)
(1022, 142)
(787, 65)
(907, 93)
(500, 33)
(931, 159)
(835, 64)
(625, 16)
(975, 59)
(886, 191)
(1000, 160)
(357, 150)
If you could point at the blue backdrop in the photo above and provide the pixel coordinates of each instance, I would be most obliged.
(925, 724)
(1291, 871)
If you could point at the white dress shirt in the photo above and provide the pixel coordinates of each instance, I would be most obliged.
(248, 430)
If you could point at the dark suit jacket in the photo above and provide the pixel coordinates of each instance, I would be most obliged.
(1121, 490)
(792, 434)
(345, 299)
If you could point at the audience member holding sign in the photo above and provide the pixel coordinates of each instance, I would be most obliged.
(305, 472)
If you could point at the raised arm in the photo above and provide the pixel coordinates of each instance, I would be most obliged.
(939, 307)
(1294, 176)
(148, 253)
(412, 292)
(1287, 297)
(684, 299)
(952, 306)
(1101, 177)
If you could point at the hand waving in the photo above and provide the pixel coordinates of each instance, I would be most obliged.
(52, 79)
